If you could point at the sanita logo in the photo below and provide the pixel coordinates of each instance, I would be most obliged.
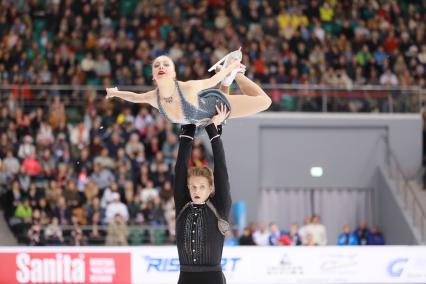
(158, 264)
(60, 268)
(396, 267)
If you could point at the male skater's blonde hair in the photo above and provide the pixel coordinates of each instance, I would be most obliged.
(201, 172)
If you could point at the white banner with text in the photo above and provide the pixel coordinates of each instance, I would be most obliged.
(160, 264)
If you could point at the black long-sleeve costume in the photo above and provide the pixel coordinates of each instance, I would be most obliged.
(199, 241)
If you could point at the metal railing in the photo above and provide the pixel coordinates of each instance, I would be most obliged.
(137, 235)
(316, 98)
(406, 191)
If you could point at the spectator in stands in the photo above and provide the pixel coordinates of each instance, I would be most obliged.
(5, 178)
(95, 208)
(135, 210)
(44, 136)
(169, 147)
(116, 207)
(261, 235)
(13, 198)
(305, 229)
(64, 174)
(388, 78)
(36, 218)
(72, 196)
(376, 237)
(166, 191)
(104, 160)
(47, 164)
(53, 233)
(11, 164)
(170, 216)
(347, 237)
(246, 239)
(61, 148)
(117, 232)
(134, 146)
(53, 192)
(31, 165)
(45, 211)
(144, 176)
(198, 158)
(77, 236)
(114, 144)
(63, 211)
(24, 211)
(102, 177)
(91, 191)
(108, 194)
(149, 192)
(362, 233)
(96, 145)
(24, 179)
(152, 212)
(274, 234)
(27, 148)
(79, 138)
(34, 235)
(318, 231)
(96, 235)
(291, 238)
(33, 195)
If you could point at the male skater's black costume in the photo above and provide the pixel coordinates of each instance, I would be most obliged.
(199, 238)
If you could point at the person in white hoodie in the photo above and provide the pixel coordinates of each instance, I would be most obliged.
(305, 229)
(318, 231)
(116, 207)
(261, 235)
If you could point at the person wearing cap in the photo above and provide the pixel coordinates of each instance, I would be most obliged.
(116, 207)
(202, 205)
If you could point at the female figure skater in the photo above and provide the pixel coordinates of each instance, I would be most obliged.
(193, 102)
(202, 202)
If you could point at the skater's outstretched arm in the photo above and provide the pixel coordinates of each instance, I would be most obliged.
(148, 97)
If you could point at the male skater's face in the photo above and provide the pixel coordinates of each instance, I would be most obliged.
(199, 189)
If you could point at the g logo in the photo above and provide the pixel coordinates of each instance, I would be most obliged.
(396, 267)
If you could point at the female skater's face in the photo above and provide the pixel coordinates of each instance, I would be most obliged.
(163, 67)
(199, 189)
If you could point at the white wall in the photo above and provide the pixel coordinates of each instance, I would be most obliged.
(278, 149)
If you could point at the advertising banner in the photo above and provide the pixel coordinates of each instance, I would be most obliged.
(248, 265)
(387, 264)
(64, 267)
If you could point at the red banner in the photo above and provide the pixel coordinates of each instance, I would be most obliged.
(29, 267)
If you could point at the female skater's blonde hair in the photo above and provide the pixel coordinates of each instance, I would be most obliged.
(168, 57)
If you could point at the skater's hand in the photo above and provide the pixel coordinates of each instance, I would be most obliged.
(236, 65)
(222, 114)
(110, 92)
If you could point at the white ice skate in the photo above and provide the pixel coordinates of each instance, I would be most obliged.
(226, 60)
